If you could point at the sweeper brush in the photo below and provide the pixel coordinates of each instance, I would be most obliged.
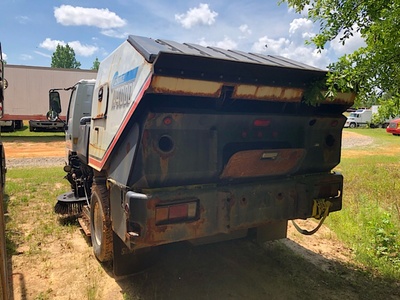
(68, 205)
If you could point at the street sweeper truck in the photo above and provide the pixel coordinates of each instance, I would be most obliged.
(198, 144)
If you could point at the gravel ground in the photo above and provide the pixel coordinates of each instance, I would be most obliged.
(352, 139)
(35, 162)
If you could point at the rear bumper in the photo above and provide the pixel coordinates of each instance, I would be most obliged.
(393, 129)
(222, 209)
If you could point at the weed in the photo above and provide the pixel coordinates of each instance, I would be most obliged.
(369, 221)
(44, 295)
(91, 291)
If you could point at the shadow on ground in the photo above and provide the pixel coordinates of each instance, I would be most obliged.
(241, 269)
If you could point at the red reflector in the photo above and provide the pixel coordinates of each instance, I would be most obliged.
(167, 121)
(334, 123)
(178, 211)
(261, 123)
(173, 213)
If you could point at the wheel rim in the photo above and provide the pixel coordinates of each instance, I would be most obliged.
(98, 224)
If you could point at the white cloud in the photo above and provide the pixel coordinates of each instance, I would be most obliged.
(4, 56)
(304, 12)
(50, 44)
(83, 50)
(43, 54)
(265, 44)
(301, 29)
(115, 33)
(293, 46)
(26, 57)
(226, 43)
(22, 19)
(300, 24)
(77, 16)
(245, 29)
(199, 15)
(79, 49)
(292, 50)
(352, 44)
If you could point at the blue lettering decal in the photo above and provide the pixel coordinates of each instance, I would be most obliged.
(124, 78)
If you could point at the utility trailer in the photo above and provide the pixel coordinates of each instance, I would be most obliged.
(199, 144)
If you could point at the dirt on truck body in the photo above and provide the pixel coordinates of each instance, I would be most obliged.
(192, 143)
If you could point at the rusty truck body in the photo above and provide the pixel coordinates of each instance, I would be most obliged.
(192, 143)
(5, 280)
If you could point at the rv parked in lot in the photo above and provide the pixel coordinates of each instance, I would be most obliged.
(366, 117)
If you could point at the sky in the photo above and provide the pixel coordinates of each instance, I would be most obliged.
(31, 30)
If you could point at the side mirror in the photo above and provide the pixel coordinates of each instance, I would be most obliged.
(54, 106)
(3, 83)
(55, 102)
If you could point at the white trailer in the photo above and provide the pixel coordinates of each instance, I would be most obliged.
(28, 90)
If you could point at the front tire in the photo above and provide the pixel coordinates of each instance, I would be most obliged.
(100, 223)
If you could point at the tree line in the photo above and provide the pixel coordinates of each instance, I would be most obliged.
(64, 57)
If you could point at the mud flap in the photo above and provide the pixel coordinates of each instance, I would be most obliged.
(126, 262)
(273, 231)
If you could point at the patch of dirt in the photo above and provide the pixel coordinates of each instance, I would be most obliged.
(299, 267)
(356, 144)
(22, 149)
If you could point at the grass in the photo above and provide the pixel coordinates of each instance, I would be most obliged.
(370, 219)
(31, 195)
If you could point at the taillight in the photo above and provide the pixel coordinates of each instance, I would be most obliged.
(261, 122)
(173, 213)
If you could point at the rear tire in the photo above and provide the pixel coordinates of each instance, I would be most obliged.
(100, 223)
(19, 124)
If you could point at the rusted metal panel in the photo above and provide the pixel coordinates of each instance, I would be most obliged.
(267, 93)
(228, 208)
(180, 86)
(254, 163)
(342, 98)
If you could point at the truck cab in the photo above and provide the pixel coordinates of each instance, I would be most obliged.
(359, 118)
(79, 108)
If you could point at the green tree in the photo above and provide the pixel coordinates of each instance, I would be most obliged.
(96, 64)
(373, 70)
(64, 57)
